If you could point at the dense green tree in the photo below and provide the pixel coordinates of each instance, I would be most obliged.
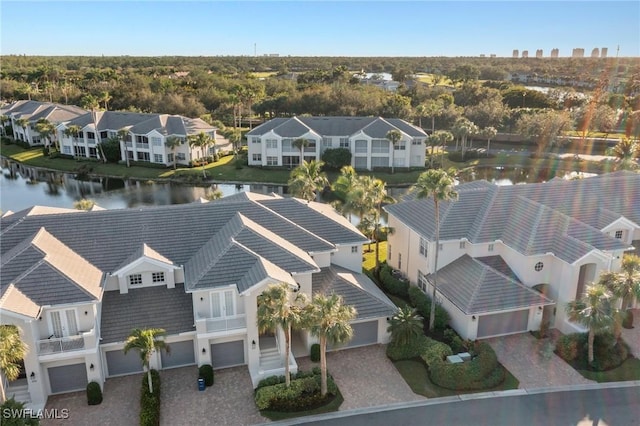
(12, 352)
(544, 128)
(405, 326)
(308, 180)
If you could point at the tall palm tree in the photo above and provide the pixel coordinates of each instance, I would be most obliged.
(12, 351)
(214, 194)
(625, 151)
(626, 284)
(47, 130)
(277, 307)
(328, 319)
(308, 180)
(301, 144)
(172, 142)
(72, 132)
(123, 135)
(394, 137)
(343, 186)
(374, 194)
(432, 109)
(202, 141)
(105, 97)
(489, 133)
(594, 311)
(443, 138)
(405, 325)
(23, 123)
(91, 102)
(146, 341)
(436, 184)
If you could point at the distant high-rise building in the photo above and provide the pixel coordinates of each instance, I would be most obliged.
(603, 52)
(595, 53)
(482, 55)
(525, 53)
(577, 53)
(554, 53)
(539, 53)
(493, 55)
(516, 53)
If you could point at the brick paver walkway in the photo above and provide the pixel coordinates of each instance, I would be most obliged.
(632, 335)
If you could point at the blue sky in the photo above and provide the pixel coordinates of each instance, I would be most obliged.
(315, 28)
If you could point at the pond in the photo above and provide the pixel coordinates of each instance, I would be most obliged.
(22, 187)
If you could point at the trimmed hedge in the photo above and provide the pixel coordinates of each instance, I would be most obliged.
(608, 353)
(94, 393)
(150, 402)
(315, 352)
(391, 284)
(627, 321)
(303, 393)
(206, 372)
(414, 349)
(422, 303)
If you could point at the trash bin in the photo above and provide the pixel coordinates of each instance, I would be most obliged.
(200, 384)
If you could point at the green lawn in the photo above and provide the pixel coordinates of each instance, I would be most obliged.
(415, 374)
(334, 405)
(628, 370)
(369, 258)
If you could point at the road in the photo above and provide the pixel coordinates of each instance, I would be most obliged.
(602, 407)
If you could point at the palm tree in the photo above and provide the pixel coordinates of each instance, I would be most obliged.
(146, 341)
(594, 311)
(626, 284)
(328, 319)
(47, 130)
(277, 308)
(214, 194)
(105, 97)
(394, 137)
(301, 144)
(23, 123)
(308, 180)
(375, 194)
(12, 351)
(202, 141)
(436, 184)
(73, 131)
(91, 102)
(344, 185)
(172, 142)
(626, 151)
(405, 325)
(123, 135)
(443, 138)
(4, 119)
(431, 109)
(489, 133)
(84, 204)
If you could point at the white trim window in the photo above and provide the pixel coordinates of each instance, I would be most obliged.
(463, 244)
(401, 145)
(157, 277)
(257, 157)
(272, 143)
(354, 249)
(134, 279)
(180, 156)
(416, 141)
(423, 247)
(326, 142)
(223, 304)
(619, 234)
(63, 323)
(255, 139)
(157, 158)
(490, 247)
(344, 143)
(361, 146)
(156, 141)
(272, 161)
(422, 281)
(379, 146)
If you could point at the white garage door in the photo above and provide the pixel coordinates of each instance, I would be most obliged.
(504, 323)
(118, 363)
(68, 378)
(227, 354)
(180, 353)
(364, 333)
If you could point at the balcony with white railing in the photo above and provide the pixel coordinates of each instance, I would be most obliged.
(91, 141)
(221, 325)
(54, 345)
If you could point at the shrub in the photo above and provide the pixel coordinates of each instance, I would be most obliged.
(315, 352)
(422, 303)
(303, 394)
(206, 372)
(13, 413)
(568, 346)
(270, 381)
(94, 393)
(150, 402)
(393, 285)
(627, 321)
(45, 151)
(470, 154)
(412, 350)
(455, 341)
(608, 352)
(336, 158)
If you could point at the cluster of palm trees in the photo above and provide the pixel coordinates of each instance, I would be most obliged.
(605, 303)
(326, 317)
(12, 352)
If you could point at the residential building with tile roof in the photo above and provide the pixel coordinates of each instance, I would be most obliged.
(76, 283)
(271, 143)
(500, 243)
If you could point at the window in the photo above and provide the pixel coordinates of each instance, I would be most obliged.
(379, 146)
(422, 281)
(257, 157)
(91, 135)
(157, 158)
(104, 135)
(93, 153)
(255, 139)
(181, 156)
(388, 251)
(360, 163)
(423, 247)
(326, 142)
(463, 244)
(272, 143)
(223, 304)
(361, 146)
(440, 246)
(155, 141)
(490, 247)
(144, 156)
(379, 161)
(539, 266)
(272, 161)
(400, 146)
(170, 158)
(619, 235)
(287, 145)
(112, 134)
(354, 249)
(135, 279)
(416, 142)
(399, 261)
(344, 143)
(311, 147)
(157, 277)
(66, 150)
(142, 140)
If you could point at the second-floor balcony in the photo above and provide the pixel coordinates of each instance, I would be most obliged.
(91, 141)
(56, 345)
(215, 325)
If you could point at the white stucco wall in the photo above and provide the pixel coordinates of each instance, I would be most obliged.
(347, 259)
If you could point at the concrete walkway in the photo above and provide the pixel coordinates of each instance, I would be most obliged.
(632, 335)
(533, 362)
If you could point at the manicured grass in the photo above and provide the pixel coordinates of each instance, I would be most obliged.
(628, 370)
(334, 405)
(369, 262)
(415, 374)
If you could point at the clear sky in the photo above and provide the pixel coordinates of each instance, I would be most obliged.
(317, 28)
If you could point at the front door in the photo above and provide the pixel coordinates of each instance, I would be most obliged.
(63, 323)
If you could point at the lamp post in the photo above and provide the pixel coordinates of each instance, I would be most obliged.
(524, 96)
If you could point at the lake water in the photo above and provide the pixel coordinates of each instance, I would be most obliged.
(22, 187)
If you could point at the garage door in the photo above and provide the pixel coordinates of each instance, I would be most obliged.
(364, 333)
(68, 378)
(180, 353)
(118, 363)
(227, 354)
(505, 323)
